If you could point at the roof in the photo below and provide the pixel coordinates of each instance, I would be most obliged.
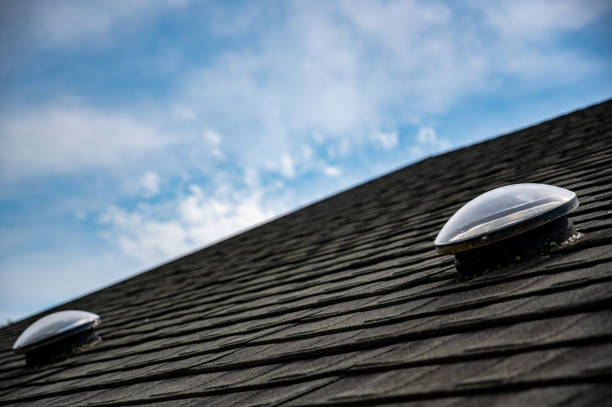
(345, 302)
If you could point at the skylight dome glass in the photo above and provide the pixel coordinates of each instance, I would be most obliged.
(53, 328)
(502, 213)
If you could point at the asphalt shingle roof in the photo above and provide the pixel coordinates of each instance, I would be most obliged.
(345, 302)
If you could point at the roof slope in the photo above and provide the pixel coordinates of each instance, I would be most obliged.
(345, 302)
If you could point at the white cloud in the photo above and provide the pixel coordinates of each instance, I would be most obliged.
(212, 137)
(55, 140)
(190, 221)
(315, 75)
(210, 217)
(318, 72)
(426, 135)
(340, 149)
(525, 19)
(344, 147)
(67, 23)
(143, 238)
(307, 152)
(217, 152)
(286, 167)
(388, 140)
(251, 178)
(150, 184)
(332, 171)
(428, 142)
(184, 113)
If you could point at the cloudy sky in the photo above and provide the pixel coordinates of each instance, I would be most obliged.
(134, 131)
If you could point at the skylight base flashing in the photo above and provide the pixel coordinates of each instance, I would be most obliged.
(62, 349)
(514, 250)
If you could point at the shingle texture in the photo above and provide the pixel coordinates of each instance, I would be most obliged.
(345, 302)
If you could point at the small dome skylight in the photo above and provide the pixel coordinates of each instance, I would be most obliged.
(57, 335)
(506, 224)
(502, 213)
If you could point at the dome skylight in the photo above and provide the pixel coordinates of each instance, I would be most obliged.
(502, 213)
(507, 225)
(57, 335)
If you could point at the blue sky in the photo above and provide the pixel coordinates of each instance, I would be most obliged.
(132, 132)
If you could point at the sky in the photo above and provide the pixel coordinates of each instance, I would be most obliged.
(132, 132)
